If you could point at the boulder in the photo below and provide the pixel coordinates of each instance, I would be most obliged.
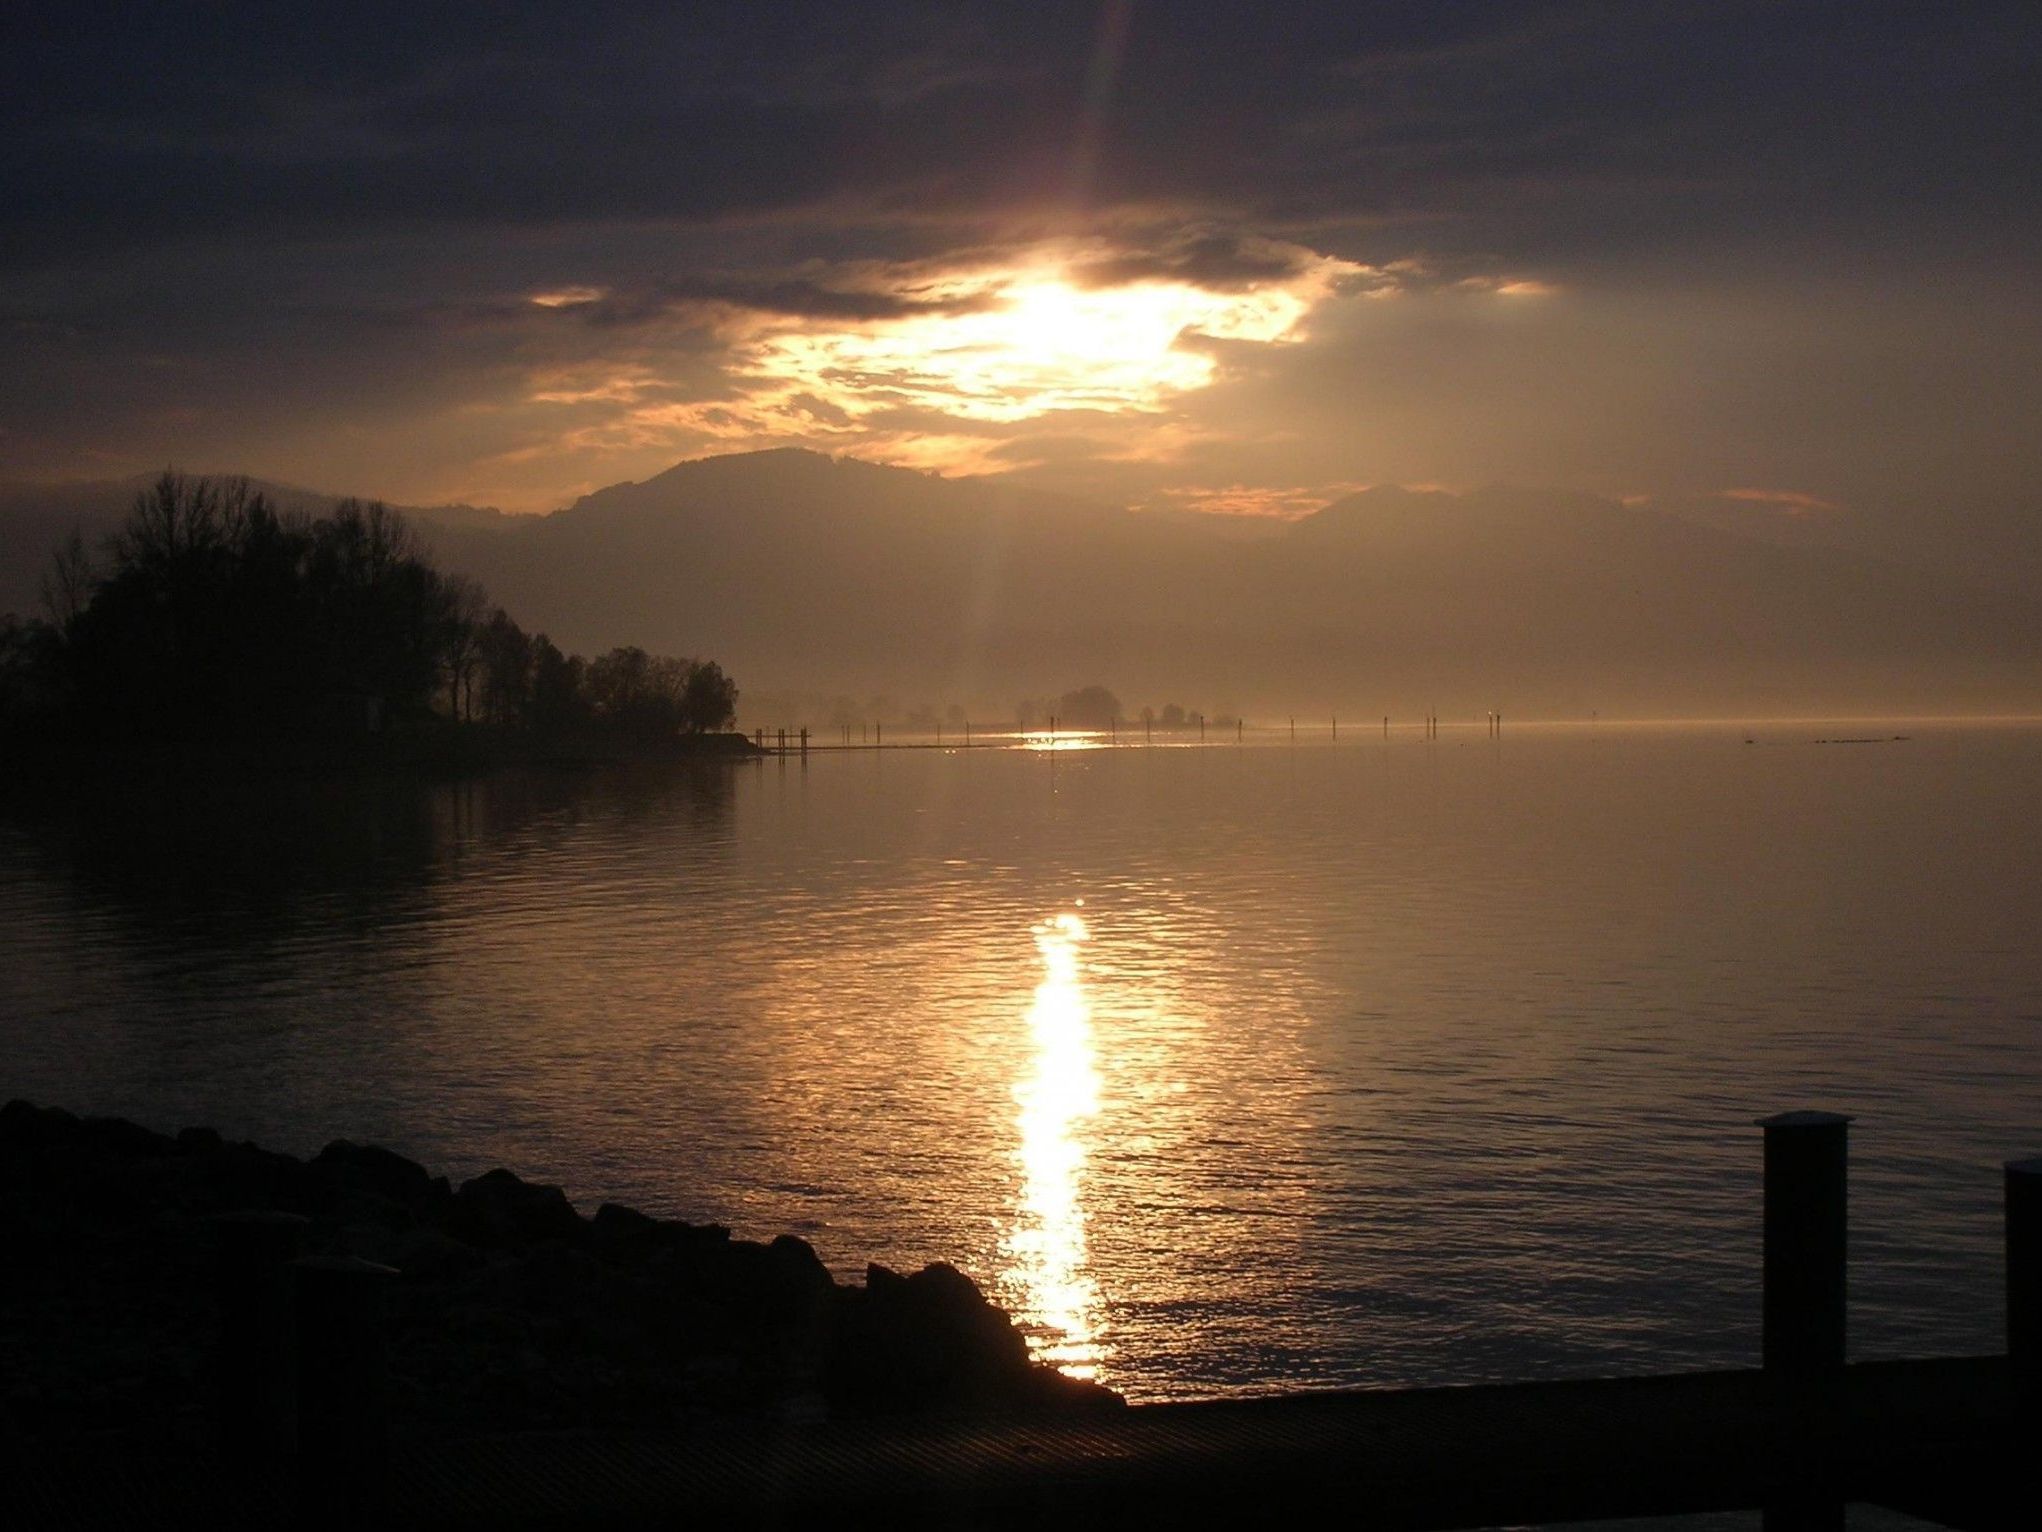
(501, 1211)
(355, 1174)
(24, 1125)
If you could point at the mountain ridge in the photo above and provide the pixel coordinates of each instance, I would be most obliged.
(807, 573)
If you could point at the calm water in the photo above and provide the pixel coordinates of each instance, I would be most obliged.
(1227, 1068)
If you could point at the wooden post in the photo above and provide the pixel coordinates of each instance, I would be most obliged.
(1293, 731)
(879, 734)
(1806, 1217)
(343, 1408)
(804, 739)
(967, 733)
(1806, 1196)
(1336, 730)
(1386, 726)
(255, 1416)
(2024, 1279)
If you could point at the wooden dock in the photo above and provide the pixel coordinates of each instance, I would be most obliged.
(1934, 1438)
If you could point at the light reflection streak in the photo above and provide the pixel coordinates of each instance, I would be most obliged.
(1059, 1301)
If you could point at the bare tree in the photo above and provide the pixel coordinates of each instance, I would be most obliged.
(68, 583)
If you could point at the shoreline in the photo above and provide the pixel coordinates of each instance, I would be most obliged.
(507, 1309)
(459, 751)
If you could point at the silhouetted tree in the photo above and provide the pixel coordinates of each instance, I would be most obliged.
(505, 655)
(559, 692)
(708, 698)
(465, 611)
(1089, 707)
(213, 616)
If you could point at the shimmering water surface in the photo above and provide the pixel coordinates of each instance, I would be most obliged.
(1227, 1069)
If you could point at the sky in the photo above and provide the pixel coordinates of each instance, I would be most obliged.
(1209, 256)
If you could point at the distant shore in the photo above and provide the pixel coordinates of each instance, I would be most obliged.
(450, 751)
(508, 1310)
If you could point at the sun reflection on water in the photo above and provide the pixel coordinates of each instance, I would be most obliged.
(1058, 1300)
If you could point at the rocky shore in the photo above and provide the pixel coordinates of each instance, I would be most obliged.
(509, 1311)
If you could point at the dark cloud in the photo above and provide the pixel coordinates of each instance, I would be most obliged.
(125, 126)
(793, 298)
(1219, 261)
(306, 239)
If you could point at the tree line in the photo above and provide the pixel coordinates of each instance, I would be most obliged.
(210, 615)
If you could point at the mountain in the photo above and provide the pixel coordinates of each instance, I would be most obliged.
(807, 574)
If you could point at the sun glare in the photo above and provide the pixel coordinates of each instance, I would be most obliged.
(1036, 343)
(1059, 1299)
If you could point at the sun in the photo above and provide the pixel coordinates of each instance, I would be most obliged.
(1028, 343)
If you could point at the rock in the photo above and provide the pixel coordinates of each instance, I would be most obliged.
(126, 1139)
(240, 1176)
(623, 1236)
(25, 1125)
(512, 1311)
(500, 1211)
(926, 1341)
(426, 1254)
(355, 1174)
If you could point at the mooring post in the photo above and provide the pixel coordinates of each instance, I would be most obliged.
(2024, 1280)
(1806, 1220)
(1806, 1197)
(343, 1408)
(254, 1413)
(804, 739)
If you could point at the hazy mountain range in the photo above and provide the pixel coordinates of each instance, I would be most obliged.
(811, 578)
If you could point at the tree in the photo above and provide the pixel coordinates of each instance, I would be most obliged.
(505, 656)
(68, 584)
(709, 699)
(559, 689)
(464, 611)
(1089, 707)
(215, 616)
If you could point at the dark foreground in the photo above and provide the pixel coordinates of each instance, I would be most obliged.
(507, 1310)
(488, 1357)
(1932, 1438)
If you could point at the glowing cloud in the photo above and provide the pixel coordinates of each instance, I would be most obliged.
(1026, 342)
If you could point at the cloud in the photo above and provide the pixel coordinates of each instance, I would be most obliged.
(432, 251)
(1791, 502)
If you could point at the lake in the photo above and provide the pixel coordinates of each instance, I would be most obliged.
(1226, 1069)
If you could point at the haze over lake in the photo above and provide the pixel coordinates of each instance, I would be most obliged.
(1226, 1069)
